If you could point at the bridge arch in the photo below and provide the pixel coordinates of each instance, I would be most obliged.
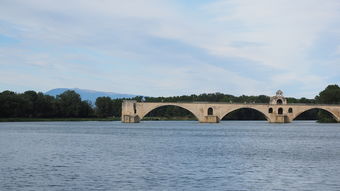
(290, 110)
(150, 109)
(270, 110)
(210, 111)
(279, 102)
(320, 108)
(252, 108)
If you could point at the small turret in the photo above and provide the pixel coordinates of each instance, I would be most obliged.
(278, 99)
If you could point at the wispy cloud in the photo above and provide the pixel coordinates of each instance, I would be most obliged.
(160, 47)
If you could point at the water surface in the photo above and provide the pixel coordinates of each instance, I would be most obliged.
(186, 155)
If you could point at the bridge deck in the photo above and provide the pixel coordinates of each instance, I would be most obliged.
(214, 111)
(246, 103)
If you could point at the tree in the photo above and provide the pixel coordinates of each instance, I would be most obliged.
(117, 107)
(30, 103)
(104, 107)
(86, 109)
(46, 106)
(69, 104)
(331, 95)
(8, 104)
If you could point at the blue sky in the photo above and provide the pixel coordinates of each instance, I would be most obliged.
(171, 47)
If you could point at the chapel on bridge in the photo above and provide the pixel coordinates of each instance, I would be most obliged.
(278, 99)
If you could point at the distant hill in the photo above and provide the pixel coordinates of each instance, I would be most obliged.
(89, 95)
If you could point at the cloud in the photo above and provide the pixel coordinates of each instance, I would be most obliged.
(160, 47)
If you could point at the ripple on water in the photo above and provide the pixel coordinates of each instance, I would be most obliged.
(169, 156)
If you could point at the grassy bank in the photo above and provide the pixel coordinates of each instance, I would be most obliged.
(56, 119)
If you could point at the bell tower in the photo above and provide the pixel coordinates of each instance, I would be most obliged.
(278, 99)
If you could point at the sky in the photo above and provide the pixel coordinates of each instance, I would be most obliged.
(171, 47)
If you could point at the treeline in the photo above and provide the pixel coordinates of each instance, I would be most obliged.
(31, 104)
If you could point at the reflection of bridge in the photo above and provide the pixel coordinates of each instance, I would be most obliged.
(277, 111)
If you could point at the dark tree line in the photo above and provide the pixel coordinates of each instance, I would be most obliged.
(107, 107)
(31, 104)
(331, 95)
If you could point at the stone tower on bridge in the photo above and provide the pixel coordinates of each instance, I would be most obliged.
(279, 115)
(279, 99)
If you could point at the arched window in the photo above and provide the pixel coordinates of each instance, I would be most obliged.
(279, 101)
(290, 110)
(280, 111)
(134, 108)
(270, 110)
(210, 111)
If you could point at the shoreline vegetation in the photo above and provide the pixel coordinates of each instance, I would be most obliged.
(93, 119)
(68, 106)
(144, 119)
(56, 119)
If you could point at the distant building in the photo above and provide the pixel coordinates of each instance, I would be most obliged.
(279, 99)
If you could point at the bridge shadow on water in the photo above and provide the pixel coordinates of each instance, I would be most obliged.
(244, 114)
(169, 112)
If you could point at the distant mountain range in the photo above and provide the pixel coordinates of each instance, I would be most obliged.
(90, 95)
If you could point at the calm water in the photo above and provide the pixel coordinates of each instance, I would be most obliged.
(169, 156)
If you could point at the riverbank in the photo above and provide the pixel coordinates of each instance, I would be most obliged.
(118, 119)
(56, 119)
(94, 119)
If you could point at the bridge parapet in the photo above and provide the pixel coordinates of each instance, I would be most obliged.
(277, 111)
(133, 111)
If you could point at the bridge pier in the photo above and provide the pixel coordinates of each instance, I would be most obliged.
(280, 119)
(130, 119)
(129, 112)
(210, 119)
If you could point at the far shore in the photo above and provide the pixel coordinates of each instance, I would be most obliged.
(94, 119)
(56, 119)
(118, 119)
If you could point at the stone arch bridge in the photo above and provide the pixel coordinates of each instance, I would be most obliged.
(206, 112)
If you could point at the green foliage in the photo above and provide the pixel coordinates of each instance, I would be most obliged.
(57, 119)
(117, 107)
(37, 105)
(211, 97)
(104, 107)
(69, 104)
(331, 95)
(301, 100)
(31, 104)
(325, 117)
(10, 104)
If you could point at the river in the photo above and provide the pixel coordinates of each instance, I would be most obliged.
(169, 155)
